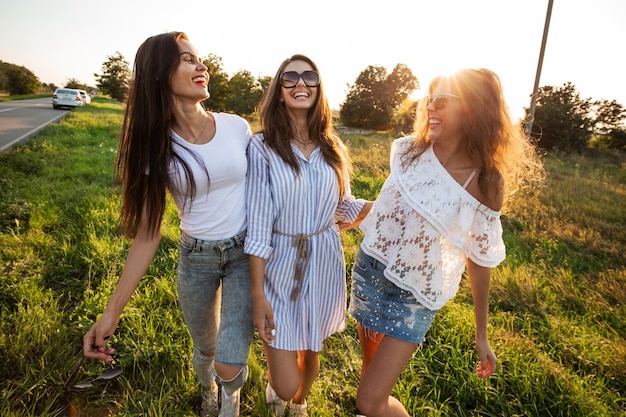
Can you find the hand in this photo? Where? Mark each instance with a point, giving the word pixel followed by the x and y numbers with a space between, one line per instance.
pixel 96 339
pixel 264 320
pixel 487 364
pixel 484 371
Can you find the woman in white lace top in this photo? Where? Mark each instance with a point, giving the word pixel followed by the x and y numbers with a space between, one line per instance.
pixel 437 215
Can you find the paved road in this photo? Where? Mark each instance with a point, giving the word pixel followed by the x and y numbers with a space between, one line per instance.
pixel 22 119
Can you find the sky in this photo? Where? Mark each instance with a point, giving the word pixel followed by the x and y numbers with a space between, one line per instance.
pixel 62 39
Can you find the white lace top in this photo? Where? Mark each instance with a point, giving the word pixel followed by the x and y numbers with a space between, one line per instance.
pixel 424 225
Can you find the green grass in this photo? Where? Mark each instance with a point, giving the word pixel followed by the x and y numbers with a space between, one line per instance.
pixel 558 322
pixel 23 97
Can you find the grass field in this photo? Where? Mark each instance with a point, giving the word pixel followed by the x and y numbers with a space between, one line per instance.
pixel 557 324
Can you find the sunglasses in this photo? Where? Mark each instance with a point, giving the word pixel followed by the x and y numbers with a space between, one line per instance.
pixel 290 79
pixel 106 376
pixel 441 101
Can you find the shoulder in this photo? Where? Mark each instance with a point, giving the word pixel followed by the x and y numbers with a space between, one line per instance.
pixel 489 191
pixel 230 119
pixel 257 139
pixel 399 145
pixel 402 142
pixel 257 144
pixel 226 117
pixel 402 150
pixel 232 125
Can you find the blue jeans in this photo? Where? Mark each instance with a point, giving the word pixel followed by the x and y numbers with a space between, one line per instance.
pixel 216 301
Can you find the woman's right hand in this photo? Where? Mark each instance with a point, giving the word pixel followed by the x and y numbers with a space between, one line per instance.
pixel 96 339
pixel 140 255
pixel 264 320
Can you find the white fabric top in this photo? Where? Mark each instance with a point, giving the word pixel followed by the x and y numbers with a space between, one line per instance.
pixel 218 210
pixel 280 201
pixel 424 225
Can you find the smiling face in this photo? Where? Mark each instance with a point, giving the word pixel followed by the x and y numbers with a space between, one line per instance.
pixel 191 78
pixel 445 113
pixel 299 97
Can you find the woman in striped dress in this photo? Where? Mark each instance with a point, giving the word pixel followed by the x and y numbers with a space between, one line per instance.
pixel 298 189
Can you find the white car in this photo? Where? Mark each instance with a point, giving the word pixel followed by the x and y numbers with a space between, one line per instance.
pixel 66 97
pixel 86 97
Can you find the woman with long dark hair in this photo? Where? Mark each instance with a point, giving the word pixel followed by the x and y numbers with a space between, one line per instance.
pixel 170 142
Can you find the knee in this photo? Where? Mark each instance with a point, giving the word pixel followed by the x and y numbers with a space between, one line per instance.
pixel 365 406
pixel 208 353
pixel 202 358
pixel 285 384
pixel 286 390
pixel 232 384
pixel 370 403
pixel 227 372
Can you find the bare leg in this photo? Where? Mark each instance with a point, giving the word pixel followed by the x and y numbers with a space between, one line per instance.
pixel 379 376
pixel 308 366
pixel 283 375
pixel 370 340
pixel 227 372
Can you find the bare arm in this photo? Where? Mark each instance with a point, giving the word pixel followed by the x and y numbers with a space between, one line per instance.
pixel 362 214
pixel 479 280
pixel 140 255
pixel 263 314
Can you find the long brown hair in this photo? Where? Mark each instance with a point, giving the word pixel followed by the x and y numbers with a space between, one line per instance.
pixel 504 156
pixel 277 128
pixel 145 150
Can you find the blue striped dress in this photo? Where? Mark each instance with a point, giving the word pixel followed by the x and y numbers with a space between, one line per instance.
pixel 280 203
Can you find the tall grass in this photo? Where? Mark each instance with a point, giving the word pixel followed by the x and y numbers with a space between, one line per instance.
pixel 558 322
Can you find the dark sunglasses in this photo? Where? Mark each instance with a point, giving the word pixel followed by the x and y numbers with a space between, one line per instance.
pixel 108 375
pixel 440 101
pixel 290 79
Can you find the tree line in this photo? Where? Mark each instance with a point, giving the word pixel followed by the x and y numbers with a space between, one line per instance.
pixel 377 100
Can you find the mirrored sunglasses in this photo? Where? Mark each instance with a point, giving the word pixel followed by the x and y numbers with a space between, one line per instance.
pixel 441 101
pixel 106 376
pixel 290 79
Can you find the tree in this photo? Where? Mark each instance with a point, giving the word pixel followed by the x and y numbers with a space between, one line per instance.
pixel 373 100
pixel 363 107
pixel 564 118
pixel 608 124
pixel 115 77
pixel 238 94
pixel 48 88
pixel 244 93
pixel 617 139
pixel 18 80
pixel 400 85
pixel 74 83
pixel 608 116
pixel 404 119
pixel 4 78
pixel 218 84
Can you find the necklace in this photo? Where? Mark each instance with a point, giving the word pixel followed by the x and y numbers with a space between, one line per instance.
pixel 302 142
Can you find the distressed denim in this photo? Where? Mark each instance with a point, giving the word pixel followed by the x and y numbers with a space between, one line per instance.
pixel 381 306
pixel 216 301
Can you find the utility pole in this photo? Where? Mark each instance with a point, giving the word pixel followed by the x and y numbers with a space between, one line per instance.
pixel 533 100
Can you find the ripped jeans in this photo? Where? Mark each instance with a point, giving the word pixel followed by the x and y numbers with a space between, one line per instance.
pixel 215 297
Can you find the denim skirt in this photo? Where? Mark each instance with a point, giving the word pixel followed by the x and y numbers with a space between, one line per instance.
pixel 379 305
